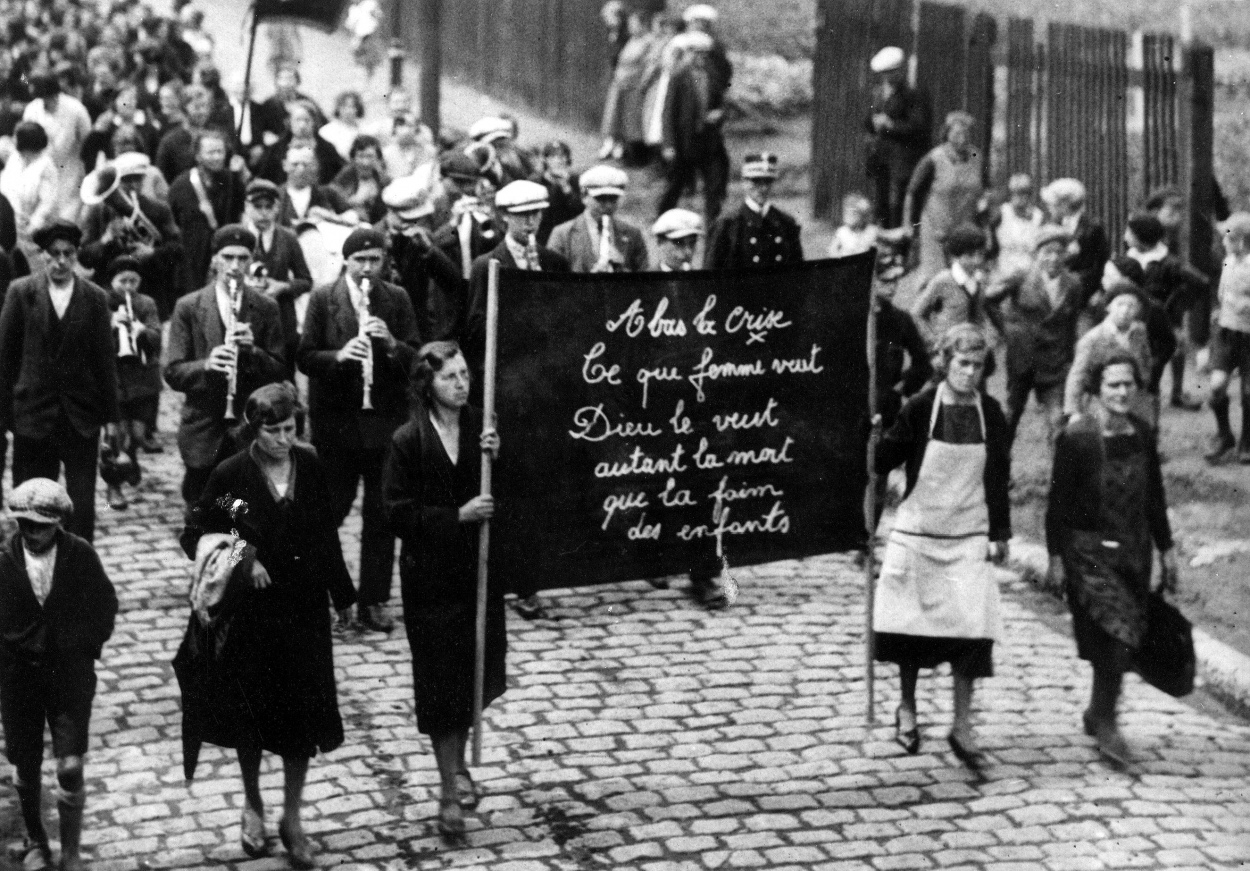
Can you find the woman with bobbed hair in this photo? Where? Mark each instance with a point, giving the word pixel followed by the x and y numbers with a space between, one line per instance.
pixel 1106 508
pixel 269 686
pixel 431 487
pixel 945 190
pixel 937 599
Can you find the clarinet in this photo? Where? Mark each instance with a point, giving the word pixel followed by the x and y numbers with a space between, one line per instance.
pixel 125 336
pixel 531 251
pixel 232 380
pixel 366 367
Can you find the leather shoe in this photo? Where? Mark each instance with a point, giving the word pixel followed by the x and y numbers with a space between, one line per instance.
pixel 968 754
pixel 299 853
pixel 909 740
pixel 1112 746
pixel 252 834
pixel 709 594
pixel 116 499
pixel 375 617
pixel 450 819
pixel 467 788
pixel 32 855
pixel 1090 724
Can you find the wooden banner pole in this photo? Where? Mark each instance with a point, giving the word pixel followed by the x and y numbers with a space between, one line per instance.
pixel 870 512
pixel 244 110
pixel 483 544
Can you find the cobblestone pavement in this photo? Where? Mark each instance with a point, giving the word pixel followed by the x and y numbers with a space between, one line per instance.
pixel 642 732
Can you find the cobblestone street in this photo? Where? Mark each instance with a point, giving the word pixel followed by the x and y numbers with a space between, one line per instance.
pixel 642 732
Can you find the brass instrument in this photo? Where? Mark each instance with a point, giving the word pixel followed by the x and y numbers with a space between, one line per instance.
pixel 139 227
pixel 104 186
pixel 232 379
pixel 366 367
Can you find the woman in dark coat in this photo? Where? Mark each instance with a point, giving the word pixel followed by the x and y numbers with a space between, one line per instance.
pixel 431 486
pixel 1106 507
pixel 256 666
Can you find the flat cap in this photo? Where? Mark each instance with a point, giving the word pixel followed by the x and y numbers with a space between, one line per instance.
pixel 120 264
pixel 694 40
pixel 677 224
pixel 262 189
pixel 364 239
pixel 409 197
pixel 964 239
pixel 40 500
pixel 521 196
pixel 490 128
pixel 604 181
pixel 760 165
pixel 1049 234
pixel 59 229
pixel 1067 190
pixel 233 236
pixel 132 163
pixel 460 166
pixel 700 12
pixel 888 60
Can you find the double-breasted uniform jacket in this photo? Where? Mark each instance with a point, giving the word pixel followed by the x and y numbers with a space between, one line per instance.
pixel 50 365
pixel 336 389
pixel 572 241
pixel 475 328
pixel 747 238
pixel 194 330
pixel 1041 335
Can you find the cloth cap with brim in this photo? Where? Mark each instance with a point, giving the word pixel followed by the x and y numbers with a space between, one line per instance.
pixel 760 166
pixel 40 500
pixel 604 181
pixel 260 189
pixel 700 12
pixel 45 236
pixel 1236 225
pixel 460 166
pixel 964 239
pixel 408 198
pixel 1067 190
pixel 233 236
pixel 1050 234
pixel 521 196
pixel 694 40
pixel 888 60
pixel 1122 287
pixel 677 224
pixel 364 239
pixel 490 129
pixel 118 265
pixel 132 163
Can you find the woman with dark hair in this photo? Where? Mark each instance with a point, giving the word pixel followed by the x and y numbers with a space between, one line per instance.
pixel 28 181
pixel 364 178
pixel 1106 507
pixel 256 667
pixel 343 129
pixel 431 486
pixel 937 600
pixel 564 198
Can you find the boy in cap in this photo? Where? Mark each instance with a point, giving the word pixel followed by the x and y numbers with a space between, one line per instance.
pixel 955 295
pixel 287 276
pixel 58 372
pixel 356 328
pixel 596 240
pixel 1230 340
pixel 900 123
pixel 57 608
pixel 203 355
pixel 758 233
pixel 677 233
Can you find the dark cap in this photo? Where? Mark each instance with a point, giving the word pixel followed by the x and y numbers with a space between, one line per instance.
pixel 118 265
pixel 45 236
pixel 1146 227
pixel 964 239
pixel 363 240
pixel 232 235
pixel 460 167
pixel 262 189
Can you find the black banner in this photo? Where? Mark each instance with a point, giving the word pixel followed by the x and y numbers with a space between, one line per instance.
pixel 326 14
pixel 654 421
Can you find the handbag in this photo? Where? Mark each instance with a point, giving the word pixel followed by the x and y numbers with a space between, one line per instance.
pixel 1165 658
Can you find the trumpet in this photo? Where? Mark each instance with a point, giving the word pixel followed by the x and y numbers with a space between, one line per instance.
pixel 366 367
pixel 125 334
pixel 232 380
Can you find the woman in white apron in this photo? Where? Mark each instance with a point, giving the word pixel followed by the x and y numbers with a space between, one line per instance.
pixel 937 600
pixel 1015 227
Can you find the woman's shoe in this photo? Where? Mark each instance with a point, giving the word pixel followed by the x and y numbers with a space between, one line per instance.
pixel 299 853
pixel 450 818
pixel 116 499
pixel 1089 723
pixel 966 752
pixel 467 789
pixel 909 740
pixel 1113 747
pixel 252 836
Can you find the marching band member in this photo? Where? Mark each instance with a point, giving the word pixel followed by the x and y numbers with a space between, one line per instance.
pixel 58 373
pixel 203 199
pixel 758 233
pixel 287 274
pixel 358 345
pixel 473 227
pixel 225 340
pixel 677 233
pixel 597 240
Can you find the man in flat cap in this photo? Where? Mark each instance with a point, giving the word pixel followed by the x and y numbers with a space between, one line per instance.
pixel 500 134
pixel 57 608
pixel 225 337
pixel 360 340
pixel 703 18
pixel 434 284
pixel 203 198
pixel 677 233
pixel 899 125
pixel 286 276
pixel 758 233
pixel 597 240
pixel 58 372
pixel 469 227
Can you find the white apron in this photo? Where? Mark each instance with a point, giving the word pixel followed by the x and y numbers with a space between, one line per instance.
pixel 936 580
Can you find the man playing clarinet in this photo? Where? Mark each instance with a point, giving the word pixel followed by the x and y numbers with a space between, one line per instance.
pixel 359 341
pixel 225 340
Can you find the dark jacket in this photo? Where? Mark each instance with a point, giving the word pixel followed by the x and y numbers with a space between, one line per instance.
pixel 1093 250
pixel 139 376
pixel 329 161
pixel 76 618
pixel 475 328
pixel 572 241
pixel 326 196
pixel 906 441
pixel 285 261
pixel 746 238
pixel 47 367
pixel 438 292
pixel 686 104
pixel 903 366
pixel 1041 337
pixel 336 389
pixel 97 254
pixel 898 150
pixel 226 198
pixel 562 205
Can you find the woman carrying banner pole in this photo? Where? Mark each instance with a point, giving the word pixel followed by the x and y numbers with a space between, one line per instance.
pixel 936 599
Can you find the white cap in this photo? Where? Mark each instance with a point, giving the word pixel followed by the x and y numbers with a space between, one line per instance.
pixel 521 196
pixel 760 165
pixel 700 12
pixel 490 128
pixel 410 197
pixel 604 181
pixel 677 224
pixel 694 40
pixel 1069 190
pixel 888 59
pixel 132 163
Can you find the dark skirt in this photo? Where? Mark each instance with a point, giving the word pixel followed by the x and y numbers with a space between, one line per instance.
pixel 968 657
pixel 1095 645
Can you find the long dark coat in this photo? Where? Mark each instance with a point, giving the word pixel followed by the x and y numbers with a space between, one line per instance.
pixel 438 570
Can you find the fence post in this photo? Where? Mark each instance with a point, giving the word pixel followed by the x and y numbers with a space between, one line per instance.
pixel 1198 173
